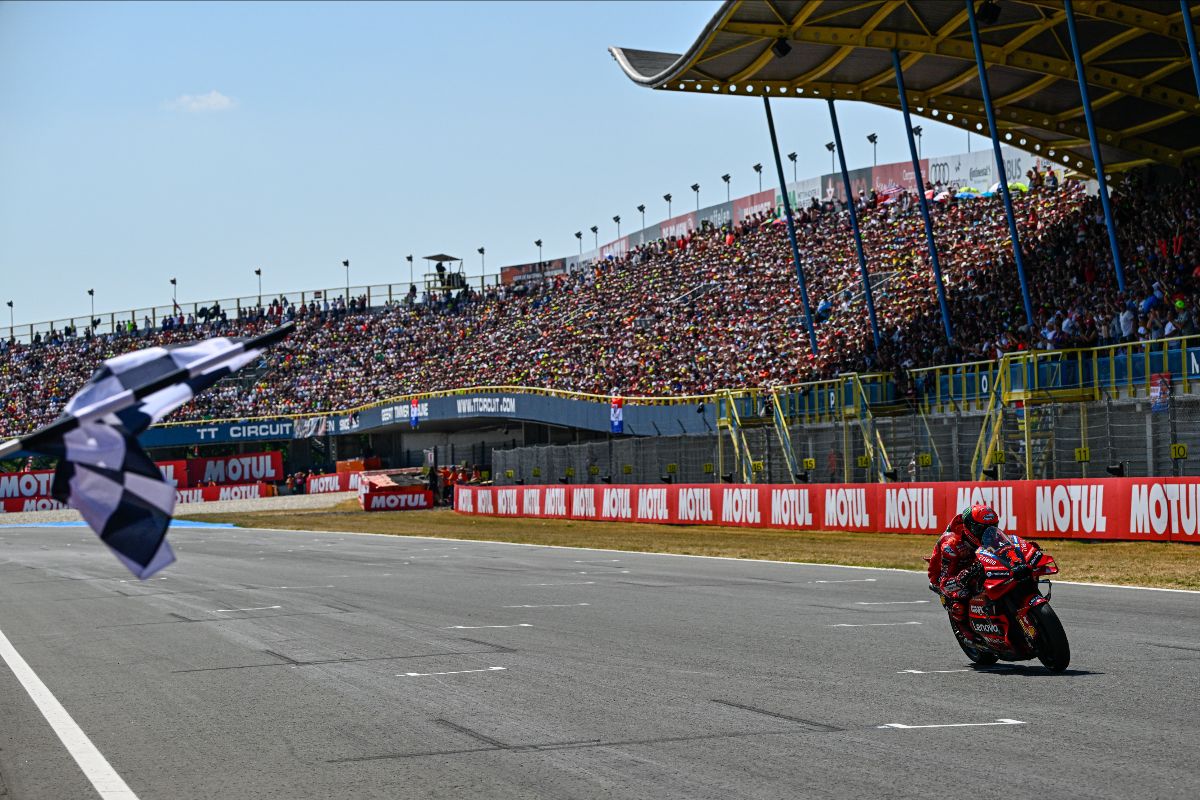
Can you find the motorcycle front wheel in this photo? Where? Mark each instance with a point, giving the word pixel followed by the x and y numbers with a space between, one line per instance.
pixel 1053 650
pixel 977 656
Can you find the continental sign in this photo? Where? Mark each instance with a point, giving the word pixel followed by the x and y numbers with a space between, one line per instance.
pixel 1159 509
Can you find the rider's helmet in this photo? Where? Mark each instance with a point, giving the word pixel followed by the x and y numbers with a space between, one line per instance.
pixel 976 519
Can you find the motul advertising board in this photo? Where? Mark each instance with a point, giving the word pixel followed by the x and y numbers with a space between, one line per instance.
pixel 201 494
pixel 338 482
pixel 38 482
pixel 378 493
pixel 397 498
pixel 245 468
pixel 1152 509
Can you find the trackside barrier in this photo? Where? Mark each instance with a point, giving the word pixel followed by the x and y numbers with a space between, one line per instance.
pixel 199 494
pixel 1158 509
pixel 337 482
pixel 377 493
pixel 37 483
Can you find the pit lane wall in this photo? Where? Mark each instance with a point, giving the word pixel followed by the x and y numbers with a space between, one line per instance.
pixel 1160 509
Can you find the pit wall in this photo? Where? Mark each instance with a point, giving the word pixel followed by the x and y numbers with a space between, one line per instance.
pixel 1160 509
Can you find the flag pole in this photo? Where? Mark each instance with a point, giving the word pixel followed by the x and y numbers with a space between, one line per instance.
pixel 130 397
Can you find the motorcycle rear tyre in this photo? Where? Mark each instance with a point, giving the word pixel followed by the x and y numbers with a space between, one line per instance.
pixel 1053 649
pixel 977 656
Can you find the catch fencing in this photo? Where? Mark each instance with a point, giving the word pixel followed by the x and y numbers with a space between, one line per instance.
pixel 1044 442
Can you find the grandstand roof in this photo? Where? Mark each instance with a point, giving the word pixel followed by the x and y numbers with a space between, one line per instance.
pixel 1143 94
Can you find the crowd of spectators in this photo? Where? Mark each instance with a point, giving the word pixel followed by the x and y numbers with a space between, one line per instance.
pixel 717 308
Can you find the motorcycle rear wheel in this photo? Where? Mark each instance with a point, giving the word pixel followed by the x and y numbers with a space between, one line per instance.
pixel 977 656
pixel 1053 649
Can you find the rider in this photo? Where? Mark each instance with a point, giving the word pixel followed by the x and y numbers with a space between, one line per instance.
pixel 953 570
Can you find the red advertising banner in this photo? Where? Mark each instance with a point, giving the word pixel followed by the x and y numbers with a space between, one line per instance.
pixel 38 482
pixel 1151 509
pixel 175 473
pixel 203 494
pixel 244 468
pixel 887 176
pixel 759 202
pixel 378 493
pixel 338 482
pixel 521 273
pixel 679 226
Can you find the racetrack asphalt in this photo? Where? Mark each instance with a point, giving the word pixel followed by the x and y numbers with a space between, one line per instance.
pixel 285 664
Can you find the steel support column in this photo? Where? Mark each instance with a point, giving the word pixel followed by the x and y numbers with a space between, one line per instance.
pixel 1004 193
pixel 1081 75
pixel 1188 26
pixel 921 199
pixel 862 258
pixel 791 227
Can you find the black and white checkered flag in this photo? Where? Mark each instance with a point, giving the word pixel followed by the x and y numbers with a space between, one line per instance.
pixel 103 472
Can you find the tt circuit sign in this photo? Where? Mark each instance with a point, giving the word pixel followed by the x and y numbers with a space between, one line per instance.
pixel 1165 509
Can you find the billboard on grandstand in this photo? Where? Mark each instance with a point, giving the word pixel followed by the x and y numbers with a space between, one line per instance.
pixel 978 170
pixel 615 249
pixel 861 182
pixel 717 216
pixel 805 191
pixel 523 273
pixel 679 226
pixel 900 174
pixel 757 203
pixel 649 234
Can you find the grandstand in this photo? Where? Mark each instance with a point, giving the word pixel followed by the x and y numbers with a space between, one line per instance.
pixel 700 310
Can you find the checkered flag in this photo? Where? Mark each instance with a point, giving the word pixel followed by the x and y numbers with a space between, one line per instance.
pixel 103 472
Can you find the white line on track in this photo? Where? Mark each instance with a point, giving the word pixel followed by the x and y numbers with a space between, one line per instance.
pixel 455 672
pixel 680 555
pixel 894 603
pixel 95 766
pixel 259 608
pixel 478 627
pixel 929 672
pixel 872 624
pixel 902 726
pixel 850 580
pixel 568 583
pixel 551 605
pixel 320 586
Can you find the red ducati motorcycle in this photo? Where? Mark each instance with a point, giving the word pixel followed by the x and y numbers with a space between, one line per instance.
pixel 1011 619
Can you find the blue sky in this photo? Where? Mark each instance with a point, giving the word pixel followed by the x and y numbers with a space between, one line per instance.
pixel 144 141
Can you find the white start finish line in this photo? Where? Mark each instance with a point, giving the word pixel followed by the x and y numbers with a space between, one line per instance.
pixel 872 624
pixel 478 627
pixel 95 766
pixel 902 726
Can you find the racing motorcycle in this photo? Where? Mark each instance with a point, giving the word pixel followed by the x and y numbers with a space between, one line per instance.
pixel 1010 617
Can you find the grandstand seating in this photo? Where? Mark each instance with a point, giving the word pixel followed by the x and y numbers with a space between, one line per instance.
pixel 716 309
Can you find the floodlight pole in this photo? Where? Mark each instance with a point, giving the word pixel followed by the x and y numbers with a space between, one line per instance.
pixel 921 200
pixel 1004 193
pixel 862 256
pixel 1109 222
pixel 791 226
